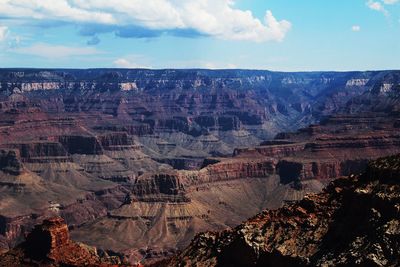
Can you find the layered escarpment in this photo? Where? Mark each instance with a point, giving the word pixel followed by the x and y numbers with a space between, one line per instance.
pixel 341 145
pixel 355 221
pixel 213 111
pixel 179 116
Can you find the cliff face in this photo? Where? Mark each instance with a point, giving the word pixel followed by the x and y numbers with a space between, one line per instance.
pixel 355 221
pixel 159 187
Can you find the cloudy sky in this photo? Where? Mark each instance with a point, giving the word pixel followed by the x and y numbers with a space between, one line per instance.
pixel 285 35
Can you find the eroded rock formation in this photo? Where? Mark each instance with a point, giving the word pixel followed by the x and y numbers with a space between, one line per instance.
pixel 49 244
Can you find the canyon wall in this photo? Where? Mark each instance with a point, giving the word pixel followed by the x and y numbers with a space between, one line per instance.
pixel 156 156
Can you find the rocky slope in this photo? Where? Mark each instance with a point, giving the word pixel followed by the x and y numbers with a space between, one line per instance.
pixel 353 222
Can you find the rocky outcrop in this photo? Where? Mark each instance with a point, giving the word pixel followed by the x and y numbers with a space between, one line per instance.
pixel 84 209
pixel 159 187
pixel 49 244
pixel 355 221
pixel 48 239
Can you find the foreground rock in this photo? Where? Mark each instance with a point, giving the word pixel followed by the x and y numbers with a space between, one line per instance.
pixel 49 245
pixel 355 221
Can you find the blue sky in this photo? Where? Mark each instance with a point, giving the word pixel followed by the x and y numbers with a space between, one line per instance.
pixel 287 35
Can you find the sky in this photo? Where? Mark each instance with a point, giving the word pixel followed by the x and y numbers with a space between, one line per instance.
pixel 281 35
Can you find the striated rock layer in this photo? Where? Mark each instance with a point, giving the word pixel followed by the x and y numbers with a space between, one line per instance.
pixel 173 112
pixel 354 222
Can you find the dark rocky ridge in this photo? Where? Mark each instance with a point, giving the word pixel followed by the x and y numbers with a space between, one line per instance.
pixel 354 222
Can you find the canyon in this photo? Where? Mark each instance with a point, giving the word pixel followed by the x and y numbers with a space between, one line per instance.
pixel 137 162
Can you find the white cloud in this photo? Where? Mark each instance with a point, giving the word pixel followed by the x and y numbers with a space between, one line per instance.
pixel 218 18
pixel 51 9
pixel 55 51
pixel 356 28
pixel 128 64
pixel 3 33
pixel 377 6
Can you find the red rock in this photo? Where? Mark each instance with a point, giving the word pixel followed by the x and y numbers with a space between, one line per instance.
pixel 49 244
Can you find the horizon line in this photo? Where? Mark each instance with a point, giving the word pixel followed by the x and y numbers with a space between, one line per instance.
pixel 195 69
